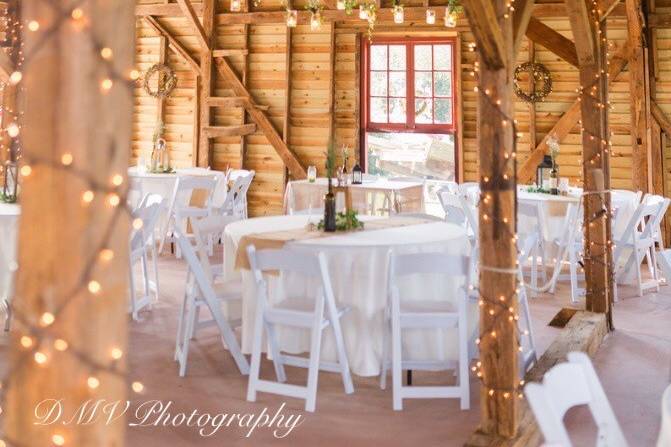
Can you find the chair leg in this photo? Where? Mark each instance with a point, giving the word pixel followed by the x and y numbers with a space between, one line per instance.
pixel 397 370
pixel 385 355
pixel 637 266
pixel 313 369
pixel 133 304
pixel 573 269
pixel 275 351
pixel 464 383
pixel 342 355
pixel 256 354
pixel 181 325
pixel 186 338
pixel 154 257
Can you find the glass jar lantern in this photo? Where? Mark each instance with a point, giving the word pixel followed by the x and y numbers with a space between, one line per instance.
pixel 357 175
pixel 11 182
pixel 543 171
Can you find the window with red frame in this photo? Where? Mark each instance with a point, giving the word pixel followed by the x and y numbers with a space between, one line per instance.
pixel 410 86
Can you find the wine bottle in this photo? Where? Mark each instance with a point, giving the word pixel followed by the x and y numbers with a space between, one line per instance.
pixel 329 209
pixel 554 182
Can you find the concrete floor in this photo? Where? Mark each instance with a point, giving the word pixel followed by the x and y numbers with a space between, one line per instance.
pixel 634 364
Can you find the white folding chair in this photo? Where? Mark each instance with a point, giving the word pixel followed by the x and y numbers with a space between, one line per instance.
pixel 530 213
pixel 151 236
pixel 417 314
pixel 568 248
pixel 314 314
pixel 181 209
pixel 528 355
pixel 139 243
pixel 200 291
pixel 656 229
pixel 226 294
pixel 638 241
pixel 568 385
pixel 242 180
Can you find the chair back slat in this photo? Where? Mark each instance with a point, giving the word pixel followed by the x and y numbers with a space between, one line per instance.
pixel 428 263
pixel 283 260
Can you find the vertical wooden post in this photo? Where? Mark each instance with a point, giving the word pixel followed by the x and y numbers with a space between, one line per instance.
pixel 9 93
pixel 497 217
pixel 245 74
pixel 591 49
pixel 69 110
pixel 532 105
pixel 287 95
pixel 332 61
pixel 207 84
pixel 639 98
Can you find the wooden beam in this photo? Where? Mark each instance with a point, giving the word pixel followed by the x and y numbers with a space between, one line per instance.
pixel 232 101
pixel 191 16
pixel 286 108
pixel 162 59
pixel 332 64
pixel 60 240
pixel 229 131
pixel 231 52
pixel 661 117
pixel 497 223
pixel 638 99
pixel 521 16
pixel 532 105
pixel 584 332
pixel 245 80
pixel 596 157
pixel 203 148
pixel 290 159
pixel 583 33
pixel 609 9
pixel 487 32
pixel 175 44
pixel 543 35
pixel 568 120
pixel 10 114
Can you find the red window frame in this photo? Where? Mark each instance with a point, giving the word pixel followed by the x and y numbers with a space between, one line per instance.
pixel 410 125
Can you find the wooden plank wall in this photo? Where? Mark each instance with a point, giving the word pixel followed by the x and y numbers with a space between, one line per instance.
pixel 310 90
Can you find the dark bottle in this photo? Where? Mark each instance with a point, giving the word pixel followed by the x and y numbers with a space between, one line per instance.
pixel 554 182
pixel 329 209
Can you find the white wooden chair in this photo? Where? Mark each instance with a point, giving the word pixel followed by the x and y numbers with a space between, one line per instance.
pixel 530 212
pixel 246 177
pixel 657 233
pixel 568 385
pixel 181 209
pixel 139 243
pixel 567 249
pixel 314 314
pixel 638 241
pixel 202 292
pixel 528 356
pixel 417 314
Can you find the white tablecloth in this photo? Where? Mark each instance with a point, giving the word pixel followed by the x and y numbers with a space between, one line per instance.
pixel 301 195
pixel 9 227
pixel 358 268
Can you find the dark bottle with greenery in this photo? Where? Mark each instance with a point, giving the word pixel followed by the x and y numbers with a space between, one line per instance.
pixel 554 181
pixel 329 197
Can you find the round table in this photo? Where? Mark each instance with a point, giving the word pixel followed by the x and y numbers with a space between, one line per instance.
pixel 9 226
pixel 358 268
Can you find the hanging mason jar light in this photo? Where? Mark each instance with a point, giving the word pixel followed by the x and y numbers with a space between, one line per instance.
pixel 11 182
pixel 316 21
pixel 543 172
pixel 236 5
pixel 398 12
pixel 292 18
pixel 340 4
pixel 450 18
pixel 363 12
pixel 430 16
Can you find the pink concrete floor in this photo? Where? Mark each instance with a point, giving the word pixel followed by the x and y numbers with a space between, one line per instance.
pixel 634 364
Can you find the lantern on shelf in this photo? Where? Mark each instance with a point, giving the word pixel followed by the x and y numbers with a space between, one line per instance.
pixel 363 13
pixel 292 18
pixel 236 5
pixel 340 4
pixel 450 18
pixel 316 21
pixel 398 13
pixel 10 185
pixel 430 16
pixel 543 172
pixel 357 175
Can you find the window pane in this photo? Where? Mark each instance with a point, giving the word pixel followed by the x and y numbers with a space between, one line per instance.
pixel 378 83
pixel 422 57
pixel 397 57
pixel 443 83
pixel 443 111
pixel 378 110
pixel 397 83
pixel 423 84
pixel 442 57
pixel 423 111
pixel 397 110
pixel 378 57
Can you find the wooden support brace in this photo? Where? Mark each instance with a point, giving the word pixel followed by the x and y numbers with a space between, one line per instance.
pixel 229 131
pixel 488 34
pixel 190 14
pixel 175 44
pixel 543 35
pixel 521 17
pixel 290 159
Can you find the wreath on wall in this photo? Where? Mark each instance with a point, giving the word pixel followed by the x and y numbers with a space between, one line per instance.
pixel 540 75
pixel 166 80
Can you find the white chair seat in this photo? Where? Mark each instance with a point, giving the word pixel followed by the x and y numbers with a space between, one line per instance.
pixel 426 306
pixel 229 290
pixel 298 311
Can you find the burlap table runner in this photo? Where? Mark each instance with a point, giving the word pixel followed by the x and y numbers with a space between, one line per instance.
pixel 274 240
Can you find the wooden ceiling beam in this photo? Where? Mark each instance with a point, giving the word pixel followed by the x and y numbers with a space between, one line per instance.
pixel 190 14
pixel 609 9
pixel 521 16
pixel 488 34
pixel 661 118
pixel 288 157
pixel 229 131
pixel 543 35
pixel 175 44
pixel 568 120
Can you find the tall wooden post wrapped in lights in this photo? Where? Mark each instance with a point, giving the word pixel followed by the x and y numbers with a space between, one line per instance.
pixel 491 22
pixel 590 41
pixel 70 311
